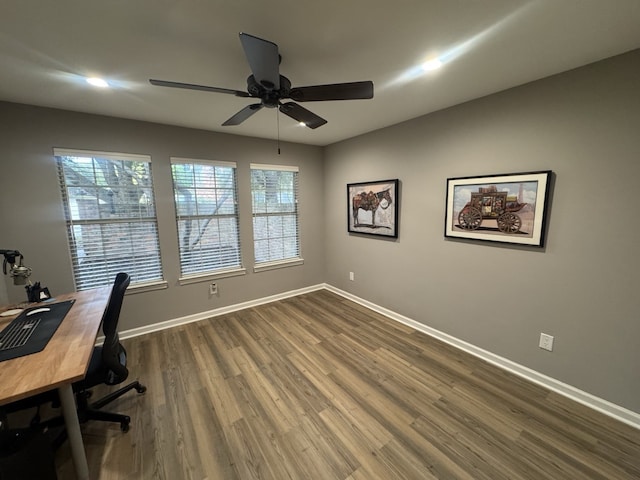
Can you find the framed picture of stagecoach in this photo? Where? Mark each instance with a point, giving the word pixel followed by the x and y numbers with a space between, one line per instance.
pixel 372 208
pixel 509 208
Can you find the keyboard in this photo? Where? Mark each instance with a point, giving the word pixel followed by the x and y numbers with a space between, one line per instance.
pixel 18 333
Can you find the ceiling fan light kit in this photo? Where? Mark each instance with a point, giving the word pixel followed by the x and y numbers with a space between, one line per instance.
pixel 266 84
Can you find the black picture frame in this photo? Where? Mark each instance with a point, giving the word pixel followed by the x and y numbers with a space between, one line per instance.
pixel 372 208
pixel 506 208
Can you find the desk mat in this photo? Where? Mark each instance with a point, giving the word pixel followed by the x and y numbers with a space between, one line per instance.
pixel 49 322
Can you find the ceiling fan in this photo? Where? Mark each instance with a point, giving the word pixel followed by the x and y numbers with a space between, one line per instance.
pixel 270 87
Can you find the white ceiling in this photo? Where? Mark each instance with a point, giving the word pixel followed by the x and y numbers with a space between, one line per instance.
pixel 46 47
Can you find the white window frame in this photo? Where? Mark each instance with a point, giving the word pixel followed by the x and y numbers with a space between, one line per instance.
pixel 82 274
pixel 207 273
pixel 285 261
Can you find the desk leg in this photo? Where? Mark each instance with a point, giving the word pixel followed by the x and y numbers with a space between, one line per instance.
pixel 70 413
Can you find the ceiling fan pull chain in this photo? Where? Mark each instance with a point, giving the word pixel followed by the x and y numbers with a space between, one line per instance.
pixel 278 126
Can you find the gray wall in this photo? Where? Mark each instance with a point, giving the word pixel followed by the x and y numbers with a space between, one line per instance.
pixel 32 219
pixel 583 288
pixel 4 298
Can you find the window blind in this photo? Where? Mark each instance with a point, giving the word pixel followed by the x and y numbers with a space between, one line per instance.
pixel 274 191
pixel 207 215
pixel 110 213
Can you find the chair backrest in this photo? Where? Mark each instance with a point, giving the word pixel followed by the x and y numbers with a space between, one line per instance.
pixel 112 312
pixel 113 354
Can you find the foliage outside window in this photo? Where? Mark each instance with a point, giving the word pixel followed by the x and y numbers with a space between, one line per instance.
pixel 274 191
pixel 207 216
pixel 111 219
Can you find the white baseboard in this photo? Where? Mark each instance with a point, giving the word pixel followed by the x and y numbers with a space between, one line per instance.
pixel 603 406
pixel 135 332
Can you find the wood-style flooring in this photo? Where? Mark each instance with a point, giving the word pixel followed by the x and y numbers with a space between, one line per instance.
pixel 318 387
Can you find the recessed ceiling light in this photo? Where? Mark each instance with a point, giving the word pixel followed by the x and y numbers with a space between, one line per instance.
pixel 302 124
pixel 97 82
pixel 433 64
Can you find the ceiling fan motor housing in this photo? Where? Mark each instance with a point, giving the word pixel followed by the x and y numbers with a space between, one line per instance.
pixel 270 97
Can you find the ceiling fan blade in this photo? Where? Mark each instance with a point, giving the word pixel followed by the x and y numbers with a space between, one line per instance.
pixel 302 115
pixel 189 86
pixel 336 91
pixel 263 59
pixel 243 114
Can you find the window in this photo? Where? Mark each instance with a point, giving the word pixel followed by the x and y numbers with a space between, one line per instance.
pixel 207 216
pixel 111 219
pixel 274 191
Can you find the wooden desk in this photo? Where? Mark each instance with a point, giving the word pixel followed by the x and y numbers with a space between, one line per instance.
pixel 63 361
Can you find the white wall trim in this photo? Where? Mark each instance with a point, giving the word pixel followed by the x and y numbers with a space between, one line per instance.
pixel 603 406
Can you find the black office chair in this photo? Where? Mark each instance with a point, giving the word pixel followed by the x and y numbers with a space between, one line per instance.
pixel 108 365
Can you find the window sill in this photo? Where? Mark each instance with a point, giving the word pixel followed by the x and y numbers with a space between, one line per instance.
pixel 147 287
pixel 204 277
pixel 278 264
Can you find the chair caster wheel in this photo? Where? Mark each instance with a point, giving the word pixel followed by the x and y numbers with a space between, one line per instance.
pixel 141 389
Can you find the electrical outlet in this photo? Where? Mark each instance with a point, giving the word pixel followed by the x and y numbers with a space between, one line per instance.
pixel 213 289
pixel 546 342
pixel 352 277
